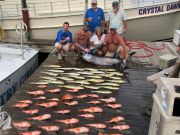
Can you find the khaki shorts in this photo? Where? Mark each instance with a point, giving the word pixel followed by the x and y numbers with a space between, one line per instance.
pixel 111 54
pixel 65 46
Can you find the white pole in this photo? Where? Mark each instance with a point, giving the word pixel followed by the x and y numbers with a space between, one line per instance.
pixel 21 27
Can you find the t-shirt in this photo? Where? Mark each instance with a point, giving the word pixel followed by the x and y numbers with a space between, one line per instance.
pixel 97 18
pixel 61 35
pixel 117 19
pixel 94 39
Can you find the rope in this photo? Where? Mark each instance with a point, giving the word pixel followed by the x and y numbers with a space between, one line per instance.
pixel 5 120
pixel 141 45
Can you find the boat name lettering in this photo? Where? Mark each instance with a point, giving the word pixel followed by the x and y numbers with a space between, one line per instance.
pixel 159 9
pixel 26 75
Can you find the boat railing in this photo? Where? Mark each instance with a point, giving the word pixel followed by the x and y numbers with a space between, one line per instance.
pixel 68 7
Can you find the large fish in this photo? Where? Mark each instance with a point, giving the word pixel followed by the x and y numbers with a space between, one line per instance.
pixel 104 61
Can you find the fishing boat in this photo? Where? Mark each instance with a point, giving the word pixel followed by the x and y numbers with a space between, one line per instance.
pixel 156 18
pixel 16 65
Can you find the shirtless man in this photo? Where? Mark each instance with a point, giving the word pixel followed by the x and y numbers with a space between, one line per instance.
pixel 82 38
pixel 115 44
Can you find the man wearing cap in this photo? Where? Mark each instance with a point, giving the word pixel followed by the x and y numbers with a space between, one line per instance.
pixel 95 17
pixel 81 39
pixel 115 44
pixel 117 17
pixel 63 40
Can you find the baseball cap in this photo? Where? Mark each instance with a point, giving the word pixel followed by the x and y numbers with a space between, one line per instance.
pixel 93 1
pixel 115 2
pixel 113 27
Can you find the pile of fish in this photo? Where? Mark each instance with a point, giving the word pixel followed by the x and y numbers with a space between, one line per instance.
pixel 71 101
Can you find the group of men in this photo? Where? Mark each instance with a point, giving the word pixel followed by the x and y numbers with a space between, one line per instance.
pixel 92 38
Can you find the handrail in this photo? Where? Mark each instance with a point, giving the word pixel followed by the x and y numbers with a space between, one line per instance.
pixel 21 33
pixel 67 6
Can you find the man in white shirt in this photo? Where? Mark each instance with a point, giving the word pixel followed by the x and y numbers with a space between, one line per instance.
pixel 117 17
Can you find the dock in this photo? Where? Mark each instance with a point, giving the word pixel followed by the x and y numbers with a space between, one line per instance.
pixel 134 94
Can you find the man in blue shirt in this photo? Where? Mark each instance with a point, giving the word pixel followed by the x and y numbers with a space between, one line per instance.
pixel 63 40
pixel 95 17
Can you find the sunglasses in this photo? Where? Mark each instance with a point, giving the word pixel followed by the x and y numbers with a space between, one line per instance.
pixel 111 29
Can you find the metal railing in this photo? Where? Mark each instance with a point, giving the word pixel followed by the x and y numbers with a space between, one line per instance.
pixel 67 7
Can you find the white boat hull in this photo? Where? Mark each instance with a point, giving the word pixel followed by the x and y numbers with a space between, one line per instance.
pixel 149 27
pixel 14 79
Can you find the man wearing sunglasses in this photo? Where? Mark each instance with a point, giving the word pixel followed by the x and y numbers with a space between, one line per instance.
pixel 95 17
pixel 115 44
pixel 118 18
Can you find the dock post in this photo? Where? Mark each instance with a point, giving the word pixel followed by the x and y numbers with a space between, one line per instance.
pixel 26 20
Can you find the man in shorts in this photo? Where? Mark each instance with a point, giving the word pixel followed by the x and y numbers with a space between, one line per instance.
pixel 81 39
pixel 63 40
pixel 115 44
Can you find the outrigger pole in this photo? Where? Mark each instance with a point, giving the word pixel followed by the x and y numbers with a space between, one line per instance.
pixel 26 20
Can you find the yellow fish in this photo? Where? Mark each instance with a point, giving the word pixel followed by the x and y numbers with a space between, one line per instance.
pixel 102 92
pixel 116 78
pixel 73 87
pixel 56 71
pixel 91 87
pixel 111 88
pixel 109 84
pixel 66 78
pixel 57 82
pixel 73 74
pixel 85 73
pixel 52 66
pixel 94 76
pixel 95 80
pixel 78 77
pixel 80 82
pixel 49 73
pixel 116 81
pixel 48 78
